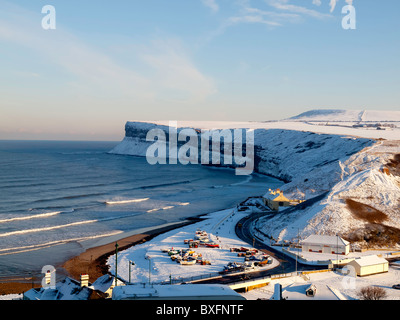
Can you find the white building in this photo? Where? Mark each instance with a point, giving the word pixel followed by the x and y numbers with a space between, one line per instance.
pixel 326 244
pixel 368 265
pixel 176 292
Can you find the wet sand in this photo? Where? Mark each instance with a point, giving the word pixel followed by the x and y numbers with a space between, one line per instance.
pixel 92 261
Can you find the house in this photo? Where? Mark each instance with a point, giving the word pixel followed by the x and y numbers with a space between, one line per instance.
pixel 71 289
pixel 275 199
pixel 309 291
pixel 104 284
pixel 368 265
pixel 326 244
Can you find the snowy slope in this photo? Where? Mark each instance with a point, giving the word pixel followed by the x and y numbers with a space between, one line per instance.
pixel 285 154
pixel 312 163
pixel 362 180
pixel 348 115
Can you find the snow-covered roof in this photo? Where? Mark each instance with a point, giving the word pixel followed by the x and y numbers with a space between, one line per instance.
pixel 184 291
pixel 275 196
pixel 67 289
pixel 325 240
pixel 369 260
pixel 103 283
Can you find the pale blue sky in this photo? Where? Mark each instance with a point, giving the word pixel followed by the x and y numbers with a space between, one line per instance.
pixel 108 62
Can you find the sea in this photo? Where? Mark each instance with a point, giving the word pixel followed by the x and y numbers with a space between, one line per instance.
pixel 58 198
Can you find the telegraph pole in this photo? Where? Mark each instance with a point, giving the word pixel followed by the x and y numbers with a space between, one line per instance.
pixel 149 269
pixel 116 263
pixel 131 263
pixel 337 251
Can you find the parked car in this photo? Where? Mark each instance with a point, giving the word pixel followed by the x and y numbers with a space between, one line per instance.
pixel 396 286
pixel 212 245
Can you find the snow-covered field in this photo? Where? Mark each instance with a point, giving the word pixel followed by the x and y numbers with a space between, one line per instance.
pixel 338 122
pixel 330 286
pixel 160 268
pixel 317 152
pixel 361 179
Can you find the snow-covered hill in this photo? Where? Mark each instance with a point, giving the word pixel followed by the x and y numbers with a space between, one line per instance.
pixel 284 154
pixel 372 218
pixel 317 160
pixel 337 115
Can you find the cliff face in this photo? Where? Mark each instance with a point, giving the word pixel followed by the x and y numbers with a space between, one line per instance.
pixel 292 156
pixel 345 172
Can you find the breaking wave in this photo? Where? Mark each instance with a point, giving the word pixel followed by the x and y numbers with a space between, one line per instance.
pixel 12 233
pixel 126 201
pixel 22 249
pixel 36 216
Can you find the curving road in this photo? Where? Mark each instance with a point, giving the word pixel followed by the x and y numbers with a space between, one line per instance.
pixel 287 264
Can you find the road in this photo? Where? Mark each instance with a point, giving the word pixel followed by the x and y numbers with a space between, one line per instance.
pixel 287 264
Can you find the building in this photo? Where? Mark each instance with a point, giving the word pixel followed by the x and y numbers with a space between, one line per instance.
pixel 176 292
pixel 326 244
pixel 105 284
pixel 275 199
pixel 71 289
pixel 307 291
pixel 365 266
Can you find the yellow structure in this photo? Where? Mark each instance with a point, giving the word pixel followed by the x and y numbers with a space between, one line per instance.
pixel 367 265
pixel 275 199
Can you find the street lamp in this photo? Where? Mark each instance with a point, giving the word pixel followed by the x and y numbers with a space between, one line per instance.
pixel 116 263
pixel 131 263
pixel 337 251
pixel 148 257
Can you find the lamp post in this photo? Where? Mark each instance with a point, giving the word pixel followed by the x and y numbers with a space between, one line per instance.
pixel 337 251
pixel 148 257
pixel 131 263
pixel 116 263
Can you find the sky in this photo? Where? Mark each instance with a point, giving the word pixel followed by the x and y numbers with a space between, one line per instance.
pixel 108 62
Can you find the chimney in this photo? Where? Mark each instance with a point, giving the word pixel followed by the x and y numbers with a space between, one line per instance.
pixel 84 280
pixel 48 277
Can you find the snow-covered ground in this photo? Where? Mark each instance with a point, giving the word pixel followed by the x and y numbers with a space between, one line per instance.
pixel 330 285
pixel 361 179
pixel 328 121
pixel 220 228
pixel 11 297
pixel 345 159
pixel 337 163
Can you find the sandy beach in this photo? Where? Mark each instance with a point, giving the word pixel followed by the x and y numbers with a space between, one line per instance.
pixel 92 261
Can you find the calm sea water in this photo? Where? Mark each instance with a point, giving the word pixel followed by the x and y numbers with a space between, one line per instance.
pixel 55 195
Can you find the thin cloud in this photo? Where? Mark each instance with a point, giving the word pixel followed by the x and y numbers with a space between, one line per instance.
pixel 275 13
pixel 285 6
pixel 332 5
pixel 211 4
pixel 95 71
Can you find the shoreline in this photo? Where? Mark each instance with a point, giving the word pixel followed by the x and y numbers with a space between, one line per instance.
pixel 93 260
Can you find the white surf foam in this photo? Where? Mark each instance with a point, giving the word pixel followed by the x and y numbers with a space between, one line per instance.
pixel 126 201
pixel 22 249
pixel 11 233
pixel 36 216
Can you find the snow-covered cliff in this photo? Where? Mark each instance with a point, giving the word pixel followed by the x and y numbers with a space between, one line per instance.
pixel 285 154
pixel 338 167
